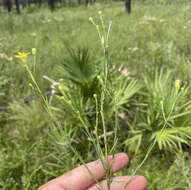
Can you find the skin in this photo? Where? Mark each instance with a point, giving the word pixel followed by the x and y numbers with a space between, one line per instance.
pixel 80 179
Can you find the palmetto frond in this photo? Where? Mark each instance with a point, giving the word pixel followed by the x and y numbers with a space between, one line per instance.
pixel 123 89
pixel 77 66
pixel 173 137
pixel 135 141
pixel 80 69
pixel 167 111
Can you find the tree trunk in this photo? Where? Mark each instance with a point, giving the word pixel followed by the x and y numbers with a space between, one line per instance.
pixel 29 3
pixel 39 3
pixel 23 3
pixel 51 4
pixel 128 6
pixel 8 5
pixel 86 2
pixel 17 6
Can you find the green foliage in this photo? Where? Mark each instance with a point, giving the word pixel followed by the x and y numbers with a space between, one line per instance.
pixel 147 96
pixel 166 112
pixel 80 70
pixel 80 92
pixel 178 176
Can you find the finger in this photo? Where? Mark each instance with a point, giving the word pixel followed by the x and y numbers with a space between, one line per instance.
pixel 79 178
pixel 123 183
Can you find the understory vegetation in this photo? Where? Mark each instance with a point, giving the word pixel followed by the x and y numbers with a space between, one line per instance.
pixel 78 93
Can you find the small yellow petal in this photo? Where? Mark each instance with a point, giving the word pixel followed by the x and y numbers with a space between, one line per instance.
pixel 22 56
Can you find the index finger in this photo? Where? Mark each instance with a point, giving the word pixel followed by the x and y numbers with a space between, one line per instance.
pixel 80 178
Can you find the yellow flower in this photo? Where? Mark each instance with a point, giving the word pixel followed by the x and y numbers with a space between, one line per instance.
pixel 22 56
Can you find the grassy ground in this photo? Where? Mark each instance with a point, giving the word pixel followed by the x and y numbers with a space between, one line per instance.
pixel 153 46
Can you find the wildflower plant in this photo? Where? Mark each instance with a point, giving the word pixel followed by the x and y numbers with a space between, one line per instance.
pixel 97 99
pixel 88 95
pixel 34 148
pixel 108 99
pixel 93 96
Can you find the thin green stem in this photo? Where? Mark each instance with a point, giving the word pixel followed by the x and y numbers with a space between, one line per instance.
pixel 47 107
pixel 154 142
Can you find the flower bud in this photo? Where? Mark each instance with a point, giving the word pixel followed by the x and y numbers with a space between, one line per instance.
pixel 34 51
pixel 90 19
pixel 177 85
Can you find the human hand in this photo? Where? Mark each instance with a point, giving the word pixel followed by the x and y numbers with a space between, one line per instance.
pixel 80 179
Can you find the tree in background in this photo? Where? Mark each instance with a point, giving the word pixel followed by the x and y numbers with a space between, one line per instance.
pixel 17 6
pixel 128 6
pixel 23 3
pixel 8 5
pixel 91 2
pixel 39 3
pixel 28 2
pixel 51 4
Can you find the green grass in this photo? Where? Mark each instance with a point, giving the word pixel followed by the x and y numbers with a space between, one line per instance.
pixel 153 45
